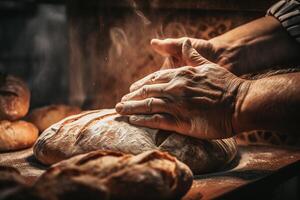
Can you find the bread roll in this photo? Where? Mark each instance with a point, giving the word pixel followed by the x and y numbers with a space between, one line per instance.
pixel 106 130
pixel 115 176
pixel 48 115
pixel 17 135
pixel 14 98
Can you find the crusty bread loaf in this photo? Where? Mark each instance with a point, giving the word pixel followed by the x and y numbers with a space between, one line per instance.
pixel 17 135
pixel 14 98
pixel 48 115
pixel 106 130
pixel 116 176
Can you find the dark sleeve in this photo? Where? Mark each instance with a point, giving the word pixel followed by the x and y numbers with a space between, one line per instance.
pixel 288 13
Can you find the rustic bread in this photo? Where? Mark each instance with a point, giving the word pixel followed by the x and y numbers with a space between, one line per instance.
pixel 14 98
pixel 106 130
pixel 46 116
pixel 113 176
pixel 16 135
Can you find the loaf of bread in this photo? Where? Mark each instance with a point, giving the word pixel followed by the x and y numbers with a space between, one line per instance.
pixel 17 135
pixel 115 176
pixel 48 115
pixel 14 98
pixel 106 130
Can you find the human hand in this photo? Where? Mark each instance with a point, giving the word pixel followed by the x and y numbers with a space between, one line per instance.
pixel 195 101
pixel 171 48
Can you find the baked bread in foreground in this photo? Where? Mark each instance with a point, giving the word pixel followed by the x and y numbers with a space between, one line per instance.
pixel 103 175
pixel 116 176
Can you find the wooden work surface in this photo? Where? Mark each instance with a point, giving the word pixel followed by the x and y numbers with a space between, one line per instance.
pixel 256 168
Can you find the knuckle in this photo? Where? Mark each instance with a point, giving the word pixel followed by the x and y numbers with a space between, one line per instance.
pixel 149 105
pixel 144 91
pixel 198 77
pixel 156 119
pixel 154 77
pixel 185 72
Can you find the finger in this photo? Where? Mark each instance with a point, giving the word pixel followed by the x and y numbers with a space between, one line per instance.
pixel 191 56
pixel 167 47
pixel 157 121
pixel 147 91
pixel 146 106
pixel 162 76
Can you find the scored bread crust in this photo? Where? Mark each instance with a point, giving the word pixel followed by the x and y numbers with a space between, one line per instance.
pixel 112 175
pixel 14 98
pixel 16 135
pixel 46 116
pixel 107 130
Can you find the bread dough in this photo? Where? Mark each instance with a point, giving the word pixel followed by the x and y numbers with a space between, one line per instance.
pixel 107 130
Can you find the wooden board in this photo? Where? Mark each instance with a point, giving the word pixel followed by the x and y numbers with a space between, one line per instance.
pixel 255 169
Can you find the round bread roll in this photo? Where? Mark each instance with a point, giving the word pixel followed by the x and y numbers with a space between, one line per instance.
pixel 116 176
pixel 48 115
pixel 17 135
pixel 14 98
pixel 107 130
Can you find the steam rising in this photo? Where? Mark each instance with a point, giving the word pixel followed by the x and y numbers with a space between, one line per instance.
pixel 139 13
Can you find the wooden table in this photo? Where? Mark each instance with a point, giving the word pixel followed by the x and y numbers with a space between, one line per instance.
pixel 257 171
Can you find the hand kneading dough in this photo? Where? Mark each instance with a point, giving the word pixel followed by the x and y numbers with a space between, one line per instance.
pixel 14 98
pixel 115 176
pixel 17 135
pixel 106 130
pixel 48 115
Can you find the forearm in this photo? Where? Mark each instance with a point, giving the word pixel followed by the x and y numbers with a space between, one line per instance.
pixel 255 46
pixel 271 103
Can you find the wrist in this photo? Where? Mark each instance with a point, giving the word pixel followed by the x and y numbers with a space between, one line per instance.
pixel 240 120
pixel 252 47
pixel 229 53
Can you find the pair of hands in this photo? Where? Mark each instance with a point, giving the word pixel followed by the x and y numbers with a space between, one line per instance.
pixel 197 100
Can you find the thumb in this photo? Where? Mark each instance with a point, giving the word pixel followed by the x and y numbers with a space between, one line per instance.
pixel 191 56
pixel 167 47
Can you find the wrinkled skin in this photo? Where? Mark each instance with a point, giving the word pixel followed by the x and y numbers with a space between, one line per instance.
pixel 195 101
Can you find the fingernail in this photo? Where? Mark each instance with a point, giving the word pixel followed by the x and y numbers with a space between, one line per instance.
pixel 119 107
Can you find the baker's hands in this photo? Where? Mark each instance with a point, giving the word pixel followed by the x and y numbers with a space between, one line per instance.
pixel 195 101
pixel 172 48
